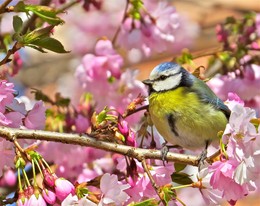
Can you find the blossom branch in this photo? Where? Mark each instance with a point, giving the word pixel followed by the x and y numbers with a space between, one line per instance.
pixel 67 6
pixel 4 5
pixel 11 51
pixel 119 27
pixel 156 188
pixel 30 23
pixel 86 140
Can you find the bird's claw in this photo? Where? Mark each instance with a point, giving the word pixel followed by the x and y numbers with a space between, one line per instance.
pixel 164 152
pixel 165 149
pixel 202 158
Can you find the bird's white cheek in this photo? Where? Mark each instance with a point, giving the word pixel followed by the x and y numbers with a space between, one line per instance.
pixel 167 84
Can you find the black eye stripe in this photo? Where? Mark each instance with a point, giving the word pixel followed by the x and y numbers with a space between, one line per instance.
pixel 163 77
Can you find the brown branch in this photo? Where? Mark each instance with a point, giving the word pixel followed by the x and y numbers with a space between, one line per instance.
pixel 67 6
pixel 145 107
pixel 156 188
pixel 4 5
pixel 11 51
pixel 119 27
pixel 86 140
pixel 30 23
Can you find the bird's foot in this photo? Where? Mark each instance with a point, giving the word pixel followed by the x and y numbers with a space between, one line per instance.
pixel 165 149
pixel 202 159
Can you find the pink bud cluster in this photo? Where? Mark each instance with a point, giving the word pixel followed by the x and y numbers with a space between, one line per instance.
pixel 55 190
pixel 127 132
pixel 156 31
pixel 102 75
pixel 8 179
pixel 246 88
pixel 13 113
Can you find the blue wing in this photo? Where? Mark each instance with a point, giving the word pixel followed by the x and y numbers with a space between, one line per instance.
pixel 208 96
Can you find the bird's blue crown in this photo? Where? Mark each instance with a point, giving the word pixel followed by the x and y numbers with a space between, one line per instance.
pixel 166 66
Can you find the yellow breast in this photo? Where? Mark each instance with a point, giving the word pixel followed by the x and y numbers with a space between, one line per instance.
pixel 194 122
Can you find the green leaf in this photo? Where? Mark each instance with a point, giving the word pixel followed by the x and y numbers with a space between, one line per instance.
pixel 17 24
pixel 230 20
pixel 61 101
pixel 37 34
pixel 168 193
pixel 20 163
pixel 50 44
pixel 179 167
pixel 46 13
pixel 185 58
pixel 181 178
pixel 36 48
pixel 148 202
pixel 39 95
pixel 34 155
pixel 18 37
pixel 102 115
pixel 224 56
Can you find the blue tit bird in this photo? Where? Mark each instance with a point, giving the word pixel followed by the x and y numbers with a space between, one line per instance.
pixel 184 110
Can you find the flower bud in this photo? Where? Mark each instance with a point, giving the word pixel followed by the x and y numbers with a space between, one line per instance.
pixel 130 140
pixel 28 191
pixel 49 179
pixel 36 200
pixel 9 178
pixel 49 196
pixel 63 188
pixel 22 199
pixel 123 126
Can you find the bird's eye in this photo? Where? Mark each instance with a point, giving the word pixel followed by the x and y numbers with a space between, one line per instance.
pixel 163 77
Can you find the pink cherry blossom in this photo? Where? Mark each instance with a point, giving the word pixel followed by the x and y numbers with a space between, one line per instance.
pixel 162 30
pixel 100 67
pixel 123 127
pixel 49 178
pixel 22 199
pixel 257 22
pixel 4 121
pixel 6 154
pixel 6 94
pixel 70 200
pixel 35 118
pixel 243 142
pixel 239 122
pixel 49 196
pixel 103 70
pixel 9 178
pixel 93 27
pixel 81 123
pixel 246 87
pixel 97 168
pixel 113 192
pixel 74 201
pixel 36 200
pixel 211 196
pixel 222 179
pixel 63 188
pixel 16 119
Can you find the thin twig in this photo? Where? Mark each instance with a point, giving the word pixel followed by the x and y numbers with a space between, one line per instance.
pixel 31 21
pixel 67 6
pixel 203 53
pixel 156 188
pixel 4 5
pixel 11 51
pixel 145 107
pixel 119 27
pixel 86 140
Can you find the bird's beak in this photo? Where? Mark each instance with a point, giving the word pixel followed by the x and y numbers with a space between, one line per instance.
pixel 147 82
